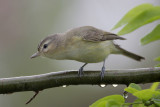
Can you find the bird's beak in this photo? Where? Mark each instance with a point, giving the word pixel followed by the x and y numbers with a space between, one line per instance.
pixel 35 55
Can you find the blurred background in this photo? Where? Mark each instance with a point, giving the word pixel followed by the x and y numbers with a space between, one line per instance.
pixel 23 23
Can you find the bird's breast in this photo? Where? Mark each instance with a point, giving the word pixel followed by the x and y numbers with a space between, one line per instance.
pixel 84 51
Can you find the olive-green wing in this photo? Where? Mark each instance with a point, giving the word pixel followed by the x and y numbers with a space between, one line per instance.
pixel 96 35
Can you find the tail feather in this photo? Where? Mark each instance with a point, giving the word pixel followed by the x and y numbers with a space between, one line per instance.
pixel 129 54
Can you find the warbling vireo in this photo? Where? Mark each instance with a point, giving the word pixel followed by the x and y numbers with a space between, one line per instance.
pixel 84 44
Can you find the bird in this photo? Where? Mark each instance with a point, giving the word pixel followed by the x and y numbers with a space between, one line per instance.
pixel 85 44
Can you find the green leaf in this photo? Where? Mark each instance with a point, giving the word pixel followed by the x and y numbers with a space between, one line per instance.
pixel 132 88
pixel 109 100
pixel 112 103
pixel 156 101
pixel 101 104
pixel 127 104
pixel 158 65
pixel 158 90
pixel 135 86
pixel 157 59
pixel 146 94
pixel 138 103
pixel 132 14
pixel 145 17
pixel 154 86
pixel 153 36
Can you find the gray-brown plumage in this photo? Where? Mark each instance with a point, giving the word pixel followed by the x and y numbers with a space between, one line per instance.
pixel 90 33
pixel 84 44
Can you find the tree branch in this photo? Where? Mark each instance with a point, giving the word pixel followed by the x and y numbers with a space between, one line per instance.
pixel 55 79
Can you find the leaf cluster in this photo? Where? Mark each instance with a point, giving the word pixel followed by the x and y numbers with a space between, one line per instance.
pixel 144 98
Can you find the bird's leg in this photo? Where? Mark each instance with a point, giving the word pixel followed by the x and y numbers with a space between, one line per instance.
pixel 80 72
pixel 103 70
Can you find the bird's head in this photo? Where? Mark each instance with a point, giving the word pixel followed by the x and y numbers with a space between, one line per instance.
pixel 46 47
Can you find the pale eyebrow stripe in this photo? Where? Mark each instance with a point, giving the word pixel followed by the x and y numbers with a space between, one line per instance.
pixel 43 41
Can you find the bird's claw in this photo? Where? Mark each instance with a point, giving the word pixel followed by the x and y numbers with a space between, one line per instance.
pixel 102 72
pixel 80 72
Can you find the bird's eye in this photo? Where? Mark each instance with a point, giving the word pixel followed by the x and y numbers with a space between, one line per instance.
pixel 45 46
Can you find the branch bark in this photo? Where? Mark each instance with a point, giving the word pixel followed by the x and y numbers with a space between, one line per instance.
pixel 55 79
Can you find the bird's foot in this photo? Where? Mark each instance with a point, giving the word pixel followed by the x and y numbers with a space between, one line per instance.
pixel 80 72
pixel 102 72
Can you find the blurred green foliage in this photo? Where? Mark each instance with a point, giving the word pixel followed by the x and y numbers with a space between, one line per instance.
pixel 145 17
pixel 153 36
pixel 132 14
pixel 147 97
pixel 137 17
pixel 158 59
pixel 109 101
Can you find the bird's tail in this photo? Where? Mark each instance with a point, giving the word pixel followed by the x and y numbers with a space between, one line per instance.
pixel 129 54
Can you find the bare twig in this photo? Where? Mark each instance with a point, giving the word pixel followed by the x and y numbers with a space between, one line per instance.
pixel 36 93
pixel 56 79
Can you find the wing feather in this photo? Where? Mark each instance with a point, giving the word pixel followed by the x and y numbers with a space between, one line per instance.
pixel 97 35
